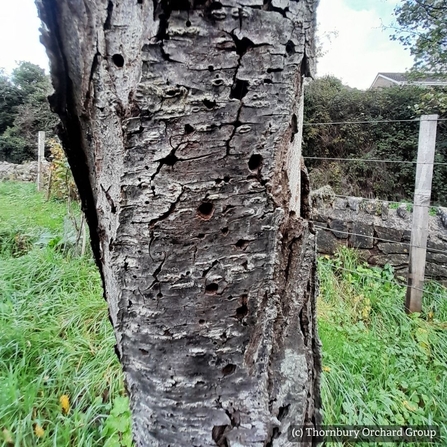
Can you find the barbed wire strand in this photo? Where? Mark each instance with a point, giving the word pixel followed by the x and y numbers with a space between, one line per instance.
pixel 434 250
pixel 389 201
pixel 374 160
pixel 375 278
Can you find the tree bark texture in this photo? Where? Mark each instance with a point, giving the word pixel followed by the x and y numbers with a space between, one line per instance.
pixel 179 122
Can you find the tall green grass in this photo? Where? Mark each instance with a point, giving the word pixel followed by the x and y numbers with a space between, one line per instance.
pixel 55 336
pixel 381 366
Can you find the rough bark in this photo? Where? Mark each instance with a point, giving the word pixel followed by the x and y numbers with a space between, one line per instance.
pixel 179 122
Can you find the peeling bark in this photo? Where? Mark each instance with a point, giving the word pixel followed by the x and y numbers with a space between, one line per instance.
pixel 179 122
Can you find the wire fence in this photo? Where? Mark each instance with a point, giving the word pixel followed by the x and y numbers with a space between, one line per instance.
pixel 375 160
pixel 402 202
pixel 337 123
pixel 407 244
pixel 382 280
pixel 349 234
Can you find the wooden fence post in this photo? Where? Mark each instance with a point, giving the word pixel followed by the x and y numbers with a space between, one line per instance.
pixel 419 230
pixel 40 157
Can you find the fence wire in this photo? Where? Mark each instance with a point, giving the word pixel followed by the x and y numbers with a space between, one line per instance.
pixel 402 202
pixel 434 250
pixel 330 123
pixel 375 160
pixel 385 281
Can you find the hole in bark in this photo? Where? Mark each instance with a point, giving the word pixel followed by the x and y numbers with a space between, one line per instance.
pixel 189 128
pixel 188 23
pixel 224 231
pixel 159 295
pixel 283 412
pixel 210 68
pixel 294 126
pixel 211 289
pixel 268 81
pixel 290 48
pixel 143 351
pixel 201 321
pixel 241 312
pixel 209 104
pixel 228 369
pixel 239 90
pixel 255 162
pixel 140 2
pixel 218 181
pixel 242 244
pixel 146 167
pixel 118 60
pixel 205 211
pixel 227 179
pixel 245 265
pixel 201 236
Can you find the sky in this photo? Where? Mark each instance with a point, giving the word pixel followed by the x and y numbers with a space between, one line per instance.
pixel 354 45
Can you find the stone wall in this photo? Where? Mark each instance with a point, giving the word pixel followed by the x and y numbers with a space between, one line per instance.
pixel 380 233
pixel 26 172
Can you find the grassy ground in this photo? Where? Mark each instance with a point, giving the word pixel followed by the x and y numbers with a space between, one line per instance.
pixel 60 381
pixel 380 365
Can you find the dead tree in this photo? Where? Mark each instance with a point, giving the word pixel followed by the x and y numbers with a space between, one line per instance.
pixel 180 126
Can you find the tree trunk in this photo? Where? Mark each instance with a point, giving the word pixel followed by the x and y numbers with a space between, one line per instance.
pixel 180 125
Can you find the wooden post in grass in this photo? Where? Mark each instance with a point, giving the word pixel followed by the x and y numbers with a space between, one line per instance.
pixel 419 230
pixel 40 157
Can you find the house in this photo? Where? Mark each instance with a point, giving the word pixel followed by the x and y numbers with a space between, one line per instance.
pixel 391 79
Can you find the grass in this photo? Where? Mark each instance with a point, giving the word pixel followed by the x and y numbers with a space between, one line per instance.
pixel 61 384
pixel 380 366
pixel 60 381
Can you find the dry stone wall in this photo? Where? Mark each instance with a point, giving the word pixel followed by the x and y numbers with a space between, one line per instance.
pixel 381 234
pixel 26 172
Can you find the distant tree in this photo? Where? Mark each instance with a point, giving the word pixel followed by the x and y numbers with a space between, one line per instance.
pixel 29 112
pixel 421 27
pixel 10 99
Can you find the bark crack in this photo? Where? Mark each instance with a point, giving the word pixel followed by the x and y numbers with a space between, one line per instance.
pixel 166 214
